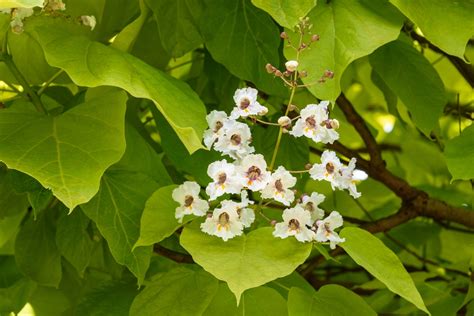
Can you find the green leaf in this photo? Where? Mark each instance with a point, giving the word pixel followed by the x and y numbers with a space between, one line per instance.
pixel 369 252
pixel 246 261
pixel 459 153
pixel 111 299
pixel 348 29
pixel 93 64
pixel 73 240
pixel 245 41
pixel 9 226
pixel 58 151
pixel 332 299
pixel 118 206
pixel 178 292
pixel 12 203
pixel 177 24
pixel 36 252
pixel 6 4
pixel 125 40
pixel 411 76
pixel 286 12
pixel 158 220
pixel 258 301
pixel 447 24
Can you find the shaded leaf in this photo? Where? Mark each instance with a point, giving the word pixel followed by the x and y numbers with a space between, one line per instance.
pixel 459 153
pixel 286 12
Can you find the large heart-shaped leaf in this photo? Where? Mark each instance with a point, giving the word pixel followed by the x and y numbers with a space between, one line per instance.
pixel 58 151
pixel 246 261
pixel 93 64
pixel 6 4
pixel 369 252
pixel 348 29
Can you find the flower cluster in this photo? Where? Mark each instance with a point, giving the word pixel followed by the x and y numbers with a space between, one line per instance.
pixel 244 171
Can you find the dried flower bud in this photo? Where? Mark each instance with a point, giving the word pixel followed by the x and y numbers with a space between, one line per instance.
pixel 329 74
pixel 284 121
pixel 278 73
pixel 283 35
pixel 270 69
pixel 291 65
pixel 315 38
pixel 308 166
pixel 303 74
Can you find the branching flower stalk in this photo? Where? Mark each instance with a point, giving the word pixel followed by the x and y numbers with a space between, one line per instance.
pixel 248 171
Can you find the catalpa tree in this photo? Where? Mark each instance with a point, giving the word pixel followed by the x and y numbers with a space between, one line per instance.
pixel 241 157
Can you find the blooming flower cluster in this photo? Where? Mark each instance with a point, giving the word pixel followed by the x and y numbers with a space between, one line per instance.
pixel 244 170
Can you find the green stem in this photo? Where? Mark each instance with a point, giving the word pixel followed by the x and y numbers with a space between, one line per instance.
pixel 49 82
pixel 7 59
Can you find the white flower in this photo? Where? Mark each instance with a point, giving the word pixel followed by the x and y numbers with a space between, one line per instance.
pixel 345 179
pixel 246 103
pixel 224 179
pixel 235 140
pixel 291 65
pixel 329 167
pixel 311 203
pixel 216 121
pixel 325 231
pixel 279 187
pixel 246 215
pixel 89 20
pixel 295 222
pixel 187 195
pixel 224 223
pixel 314 123
pixel 253 172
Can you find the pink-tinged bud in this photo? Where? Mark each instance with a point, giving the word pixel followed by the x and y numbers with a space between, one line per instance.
pixel 284 121
pixel 303 74
pixel 273 222
pixel 315 38
pixel 283 35
pixel 329 74
pixel 286 73
pixel 270 69
pixel 308 166
pixel 278 73
pixel 303 46
pixel 209 215
pixel 291 65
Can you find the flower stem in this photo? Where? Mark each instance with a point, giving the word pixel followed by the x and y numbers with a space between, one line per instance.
pixel 50 80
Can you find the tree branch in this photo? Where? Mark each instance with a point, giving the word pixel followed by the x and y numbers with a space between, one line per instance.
pixel 173 255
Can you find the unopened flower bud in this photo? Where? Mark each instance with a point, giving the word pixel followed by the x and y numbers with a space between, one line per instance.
pixel 315 38
pixel 284 130
pixel 269 68
pixel 329 74
pixel 308 166
pixel 209 215
pixel 291 65
pixel 284 121
pixel 291 107
pixel 303 46
pixel 303 74
pixel 283 35
pixel 334 123
pixel 278 73
pixel 263 111
pixel 273 222
pixel 287 73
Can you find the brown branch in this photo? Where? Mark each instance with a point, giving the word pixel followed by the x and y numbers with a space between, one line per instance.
pixel 173 255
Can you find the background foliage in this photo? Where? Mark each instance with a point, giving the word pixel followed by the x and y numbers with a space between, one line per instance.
pixel 97 126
